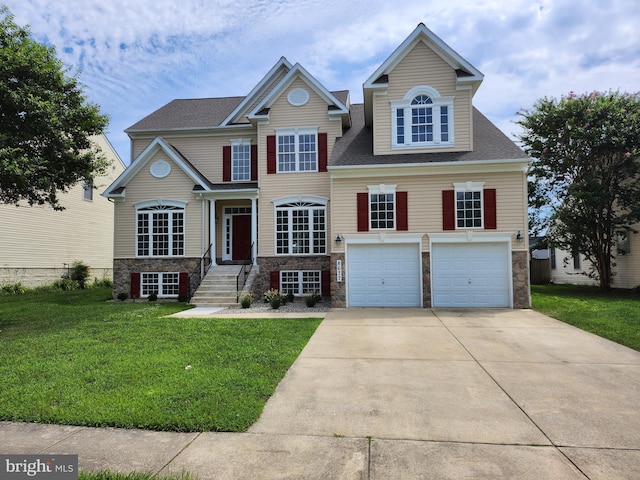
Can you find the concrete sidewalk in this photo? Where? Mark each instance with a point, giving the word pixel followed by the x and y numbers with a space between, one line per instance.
pixel 408 393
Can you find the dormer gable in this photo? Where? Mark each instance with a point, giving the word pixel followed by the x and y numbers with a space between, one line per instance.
pixel 420 99
pixel 335 107
pixel 466 75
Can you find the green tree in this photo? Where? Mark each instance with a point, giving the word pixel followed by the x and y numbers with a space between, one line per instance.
pixel 585 151
pixel 46 122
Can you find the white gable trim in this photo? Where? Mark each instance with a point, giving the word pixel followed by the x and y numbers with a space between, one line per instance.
pixel 143 159
pixel 298 71
pixel 423 34
pixel 258 89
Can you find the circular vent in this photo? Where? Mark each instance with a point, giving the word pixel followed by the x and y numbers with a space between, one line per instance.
pixel 160 169
pixel 298 97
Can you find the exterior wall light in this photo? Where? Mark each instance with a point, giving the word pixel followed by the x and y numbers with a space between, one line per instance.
pixel 519 238
pixel 338 240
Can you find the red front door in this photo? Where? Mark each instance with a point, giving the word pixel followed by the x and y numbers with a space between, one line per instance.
pixel 241 241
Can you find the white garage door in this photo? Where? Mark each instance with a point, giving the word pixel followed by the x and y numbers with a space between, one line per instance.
pixel 384 275
pixel 470 275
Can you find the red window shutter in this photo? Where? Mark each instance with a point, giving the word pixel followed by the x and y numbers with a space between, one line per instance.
pixel 448 210
pixel 183 283
pixel 226 163
pixel 134 288
pixel 326 283
pixel 274 279
pixel 490 211
pixel 363 212
pixel 271 154
pixel 322 152
pixel 402 212
pixel 254 163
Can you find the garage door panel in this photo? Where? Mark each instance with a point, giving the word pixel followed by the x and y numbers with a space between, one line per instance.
pixel 470 275
pixel 384 275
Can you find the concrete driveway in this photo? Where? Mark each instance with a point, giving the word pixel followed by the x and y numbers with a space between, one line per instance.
pixel 466 394
pixel 408 394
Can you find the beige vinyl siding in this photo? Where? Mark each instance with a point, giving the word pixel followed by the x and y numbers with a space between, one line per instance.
pixel 422 66
pixel 628 266
pixel 143 187
pixel 42 238
pixel 425 201
pixel 274 186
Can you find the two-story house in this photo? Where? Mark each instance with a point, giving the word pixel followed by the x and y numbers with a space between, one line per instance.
pixel 412 198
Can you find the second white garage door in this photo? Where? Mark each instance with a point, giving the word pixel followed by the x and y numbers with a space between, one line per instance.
pixel 470 275
pixel 384 275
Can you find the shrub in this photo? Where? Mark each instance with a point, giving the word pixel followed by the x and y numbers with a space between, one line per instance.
pixel 122 296
pixel 79 273
pixel 103 282
pixel 269 294
pixel 14 289
pixel 245 299
pixel 275 302
pixel 153 296
pixel 65 284
pixel 290 297
pixel 312 299
pixel 183 297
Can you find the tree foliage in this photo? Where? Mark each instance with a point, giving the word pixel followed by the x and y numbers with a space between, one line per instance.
pixel 46 122
pixel 585 170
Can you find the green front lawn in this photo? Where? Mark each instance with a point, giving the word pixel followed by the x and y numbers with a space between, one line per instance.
pixel 614 315
pixel 76 358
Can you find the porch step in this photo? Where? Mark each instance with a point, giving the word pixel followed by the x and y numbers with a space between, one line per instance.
pixel 218 288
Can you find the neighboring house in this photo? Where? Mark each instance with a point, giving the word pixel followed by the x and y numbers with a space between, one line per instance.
pixel 413 198
pixel 38 244
pixel 574 268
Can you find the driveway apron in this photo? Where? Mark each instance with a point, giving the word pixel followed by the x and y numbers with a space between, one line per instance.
pixel 500 393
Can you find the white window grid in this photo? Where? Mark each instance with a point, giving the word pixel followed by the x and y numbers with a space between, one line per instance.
pixel 469 209
pixel 160 232
pixel 382 211
pixel 301 229
pixel 241 162
pixel 300 282
pixel 163 284
pixel 297 151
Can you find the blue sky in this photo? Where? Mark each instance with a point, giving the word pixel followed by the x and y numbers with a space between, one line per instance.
pixel 135 56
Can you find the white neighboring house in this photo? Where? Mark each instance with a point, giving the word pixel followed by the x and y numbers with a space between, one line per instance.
pixel 38 244
pixel 573 270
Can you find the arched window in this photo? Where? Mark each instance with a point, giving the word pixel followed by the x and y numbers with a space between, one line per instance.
pixel 423 118
pixel 301 225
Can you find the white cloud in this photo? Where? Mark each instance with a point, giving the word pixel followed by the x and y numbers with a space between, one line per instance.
pixel 136 56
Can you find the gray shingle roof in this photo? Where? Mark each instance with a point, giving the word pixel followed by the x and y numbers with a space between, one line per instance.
pixel 356 146
pixel 188 113
pixel 185 114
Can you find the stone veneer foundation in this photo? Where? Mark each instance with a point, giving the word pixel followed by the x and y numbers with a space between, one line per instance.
pixel 520 271
pixel 123 267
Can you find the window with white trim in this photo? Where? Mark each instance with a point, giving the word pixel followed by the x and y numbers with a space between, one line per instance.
pixel 469 209
pixel 423 118
pixel 160 231
pixel 382 207
pixel 87 191
pixel 240 160
pixel 301 228
pixel 300 282
pixel 163 284
pixel 297 150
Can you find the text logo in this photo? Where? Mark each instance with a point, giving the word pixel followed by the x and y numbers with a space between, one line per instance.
pixel 38 467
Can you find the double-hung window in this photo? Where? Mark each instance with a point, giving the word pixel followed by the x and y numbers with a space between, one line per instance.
pixel 382 207
pixel 301 228
pixel 423 118
pixel 240 160
pixel 469 205
pixel 160 230
pixel 297 150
